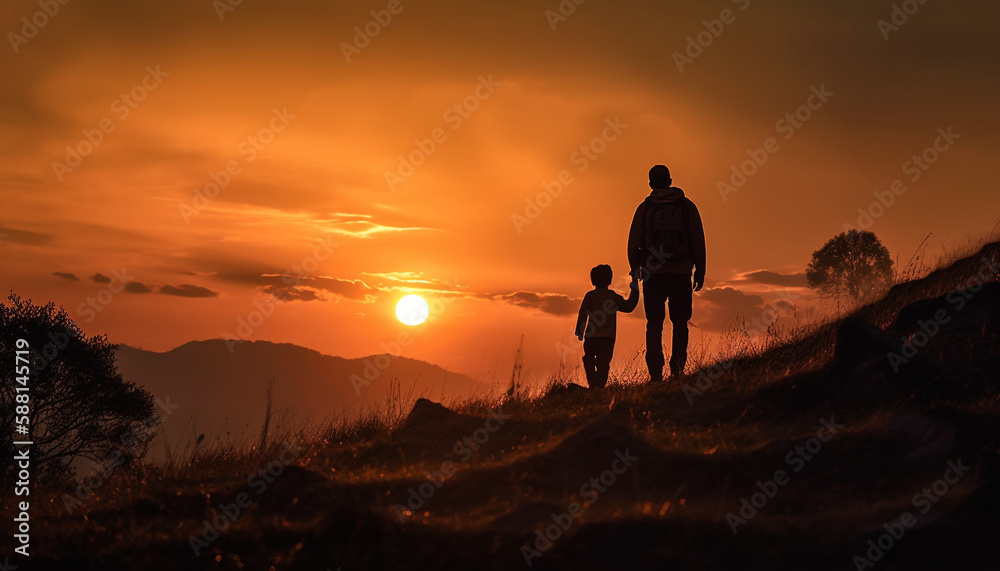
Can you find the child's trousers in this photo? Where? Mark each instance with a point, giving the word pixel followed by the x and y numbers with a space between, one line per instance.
pixel 597 360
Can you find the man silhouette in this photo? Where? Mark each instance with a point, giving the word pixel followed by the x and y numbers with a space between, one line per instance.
pixel 665 244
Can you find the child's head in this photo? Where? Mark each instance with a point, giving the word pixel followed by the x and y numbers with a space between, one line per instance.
pixel 601 276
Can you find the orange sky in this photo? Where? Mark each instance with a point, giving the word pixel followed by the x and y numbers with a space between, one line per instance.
pixel 267 91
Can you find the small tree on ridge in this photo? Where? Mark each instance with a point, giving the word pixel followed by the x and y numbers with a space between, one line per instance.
pixel 854 264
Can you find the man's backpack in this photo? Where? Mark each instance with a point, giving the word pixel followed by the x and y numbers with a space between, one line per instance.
pixel 667 232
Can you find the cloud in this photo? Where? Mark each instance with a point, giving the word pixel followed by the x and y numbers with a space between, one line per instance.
pixel 722 307
pixel 403 277
pixel 417 282
pixel 552 303
pixel 309 288
pixel 290 293
pixel 187 290
pixel 351 289
pixel 66 276
pixel 282 284
pixel 362 226
pixel 768 277
pixel 26 237
pixel 323 288
pixel 183 290
pixel 137 287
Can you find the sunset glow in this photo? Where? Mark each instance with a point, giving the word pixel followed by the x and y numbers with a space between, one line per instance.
pixel 206 155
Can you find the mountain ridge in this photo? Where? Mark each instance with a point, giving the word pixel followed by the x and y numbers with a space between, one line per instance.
pixel 219 391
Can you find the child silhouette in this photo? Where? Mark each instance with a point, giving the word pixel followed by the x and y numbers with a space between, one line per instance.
pixel 596 324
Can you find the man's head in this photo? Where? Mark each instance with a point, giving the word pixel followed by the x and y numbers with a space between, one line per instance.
pixel 659 177
pixel 601 276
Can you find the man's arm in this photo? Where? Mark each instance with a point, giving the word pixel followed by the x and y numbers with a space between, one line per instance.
pixel 635 241
pixel 628 305
pixel 698 248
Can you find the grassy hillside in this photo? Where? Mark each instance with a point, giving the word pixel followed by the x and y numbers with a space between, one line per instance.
pixel 840 449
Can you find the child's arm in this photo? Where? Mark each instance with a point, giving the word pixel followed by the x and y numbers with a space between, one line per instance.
pixel 629 304
pixel 581 320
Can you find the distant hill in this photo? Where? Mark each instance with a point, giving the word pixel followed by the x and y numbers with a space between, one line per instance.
pixel 219 392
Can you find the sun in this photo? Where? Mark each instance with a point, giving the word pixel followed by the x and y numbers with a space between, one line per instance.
pixel 412 310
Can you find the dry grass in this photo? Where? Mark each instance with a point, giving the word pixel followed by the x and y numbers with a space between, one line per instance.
pixel 373 459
